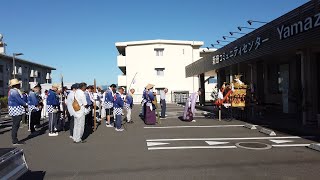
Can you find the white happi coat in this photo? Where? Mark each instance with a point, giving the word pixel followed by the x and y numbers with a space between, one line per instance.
pixel 81 98
pixel 69 102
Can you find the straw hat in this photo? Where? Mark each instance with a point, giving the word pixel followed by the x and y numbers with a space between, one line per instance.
pixel 149 86
pixel 14 82
pixel 56 85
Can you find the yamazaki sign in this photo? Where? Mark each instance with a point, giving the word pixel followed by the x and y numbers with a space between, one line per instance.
pixel 299 27
pixel 284 32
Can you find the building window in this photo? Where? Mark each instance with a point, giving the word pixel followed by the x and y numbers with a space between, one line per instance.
pixel 1 84
pixel 159 51
pixel 1 68
pixel 160 71
pixel 273 78
pixel 182 51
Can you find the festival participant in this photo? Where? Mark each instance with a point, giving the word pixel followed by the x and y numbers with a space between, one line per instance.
pixel 79 116
pixel 98 103
pixel 103 107
pixel 109 101
pixel 143 103
pixel 163 103
pixel 34 108
pixel 156 107
pixel 44 97
pixel 150 115
pixel 53 108
pixel 118 106
pixel 129 104
pixel 25 99
pixel 60 125
pixel 16 107
pixel 38 113
pixel 190 105
pixel 90 101
pixel 70 99
pixel 63 105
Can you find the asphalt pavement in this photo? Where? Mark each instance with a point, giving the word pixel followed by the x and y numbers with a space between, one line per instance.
pixel 205 149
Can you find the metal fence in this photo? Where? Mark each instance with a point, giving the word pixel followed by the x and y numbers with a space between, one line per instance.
pixel 174 97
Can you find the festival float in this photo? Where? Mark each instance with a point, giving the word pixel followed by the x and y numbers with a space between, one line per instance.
pixel 232 95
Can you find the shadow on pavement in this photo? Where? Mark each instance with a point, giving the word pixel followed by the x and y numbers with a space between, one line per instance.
pixel 33 175
pixel 271 119
pixel 39 132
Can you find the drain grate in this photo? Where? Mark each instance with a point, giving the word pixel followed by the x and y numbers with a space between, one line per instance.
pixel 253 145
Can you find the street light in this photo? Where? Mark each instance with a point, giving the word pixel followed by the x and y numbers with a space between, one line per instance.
pixel 14 63
pixel 225 37
pixel 218 41
pixel 212 45
pixel 240 28
pixel 252 21
pixel 231 33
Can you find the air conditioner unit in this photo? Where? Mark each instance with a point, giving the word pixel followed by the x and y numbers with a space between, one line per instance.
pixel 14 71
pixel 19 71
pixel 48 76
pixel 35 73
pixel 32 73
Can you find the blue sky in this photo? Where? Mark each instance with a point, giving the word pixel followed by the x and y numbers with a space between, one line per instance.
pixel 77 36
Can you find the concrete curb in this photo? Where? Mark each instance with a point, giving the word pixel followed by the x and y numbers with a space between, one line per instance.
pixel 314 146
pixel 250 126
pixel 268 132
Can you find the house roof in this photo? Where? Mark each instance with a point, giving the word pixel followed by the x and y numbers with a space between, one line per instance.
pixel 122 45
pixel 25 61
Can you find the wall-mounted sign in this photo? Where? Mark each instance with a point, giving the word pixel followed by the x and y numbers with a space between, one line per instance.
pixel 299 27
pixel 239 50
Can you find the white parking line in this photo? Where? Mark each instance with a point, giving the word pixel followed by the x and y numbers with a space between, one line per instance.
pixel 226 139
pixel 176 116
pixel 290 145
pixel 171 127
pixel 192 147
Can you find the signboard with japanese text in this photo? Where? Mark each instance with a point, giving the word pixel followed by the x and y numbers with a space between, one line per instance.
pixel 239 50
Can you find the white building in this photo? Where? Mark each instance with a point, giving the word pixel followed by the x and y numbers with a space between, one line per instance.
pixel 159 62
pixel 25 71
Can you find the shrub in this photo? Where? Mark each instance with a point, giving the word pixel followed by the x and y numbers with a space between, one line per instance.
pixel 4 102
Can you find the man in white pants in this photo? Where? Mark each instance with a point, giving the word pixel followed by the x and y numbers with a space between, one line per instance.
pixel 70 99
pixel 79 116
pixel 44 97
pixel 129 104
pixel 102 105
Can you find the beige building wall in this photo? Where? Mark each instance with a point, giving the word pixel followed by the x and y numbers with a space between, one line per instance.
pixel 142 60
